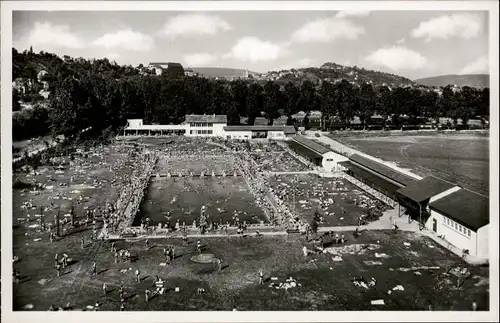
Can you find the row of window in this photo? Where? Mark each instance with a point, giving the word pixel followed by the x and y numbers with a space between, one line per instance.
pixel 456 226
pixel 201 132
pixel 201 124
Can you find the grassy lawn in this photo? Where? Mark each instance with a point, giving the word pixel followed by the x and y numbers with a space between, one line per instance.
pixel 334 198
pixel 324 284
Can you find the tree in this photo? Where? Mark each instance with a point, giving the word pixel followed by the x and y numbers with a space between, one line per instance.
pixel 272 101
pixel 16 106
pixel 291 96
pixel 239 90
pixel 345 101
pixel 327 104
pixel 254 102
pixel 366 103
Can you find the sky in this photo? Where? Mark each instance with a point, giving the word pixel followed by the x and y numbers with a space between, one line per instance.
pixel 413 44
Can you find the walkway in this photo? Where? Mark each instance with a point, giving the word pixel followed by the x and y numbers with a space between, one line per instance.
pixel 208 235
pixel 294 173
pixel 347 151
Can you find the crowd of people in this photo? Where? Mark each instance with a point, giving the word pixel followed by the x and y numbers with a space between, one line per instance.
pixel 131 196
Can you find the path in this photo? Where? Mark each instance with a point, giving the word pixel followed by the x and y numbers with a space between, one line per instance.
pixel 347 151
pixel 294 173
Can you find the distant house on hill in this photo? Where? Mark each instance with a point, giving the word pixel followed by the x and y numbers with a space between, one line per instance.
pixel 190 72
pixel 173 70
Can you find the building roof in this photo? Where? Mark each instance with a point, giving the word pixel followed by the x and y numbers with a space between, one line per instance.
pixel 304 151
pixel 383 170
pixel 424 189
pixel 289 130
pixel 320 149
pixel 372 177
pixel 285 129
pixel 466 207
pixel 210 118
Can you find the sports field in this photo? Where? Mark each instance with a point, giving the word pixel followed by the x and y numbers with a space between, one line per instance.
pixel 458 158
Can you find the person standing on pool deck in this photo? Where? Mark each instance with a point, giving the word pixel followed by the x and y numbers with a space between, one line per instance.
pixel 94 268
pixel 261 277
pixel 137 274
pixel 104 288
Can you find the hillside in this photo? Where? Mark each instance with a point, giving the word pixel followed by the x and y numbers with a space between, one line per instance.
pixel 472 80
pixel 334 72
pixel 220 72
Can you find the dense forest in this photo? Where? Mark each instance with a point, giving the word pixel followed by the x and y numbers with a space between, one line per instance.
pixel 102 95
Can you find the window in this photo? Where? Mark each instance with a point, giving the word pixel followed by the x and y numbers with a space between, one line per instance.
pixel 191 132
pixel 210 132
pixel 468 232
pixel 460 228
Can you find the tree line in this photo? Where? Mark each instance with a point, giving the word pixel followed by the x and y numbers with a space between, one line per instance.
pixel 100 95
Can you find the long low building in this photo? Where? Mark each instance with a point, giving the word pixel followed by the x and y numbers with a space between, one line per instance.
pixel 208 126
pixel 257 132
pixel 458 215
pixel 379 177
pixel 315 153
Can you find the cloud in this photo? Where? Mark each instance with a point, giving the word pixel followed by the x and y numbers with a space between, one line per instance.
pixel 194 25
pixel 199 59
pixel 397 58
pixel 465 25
pixel 327 30
pixel 401 41
pixel 252 49
pixel 48 35
pixel 479 66
pixel 352 13
pixel 126 39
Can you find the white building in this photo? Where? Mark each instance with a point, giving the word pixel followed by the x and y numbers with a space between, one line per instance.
pixel 246 132
pixel 462 217
pixel 317 154
pixel 459 215
pixel 209 126
pixel 193 126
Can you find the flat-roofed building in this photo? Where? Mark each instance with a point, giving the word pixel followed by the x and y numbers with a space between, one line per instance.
pixel 316 153
pixel 245 132
pixel 205 125
pixel 462 217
